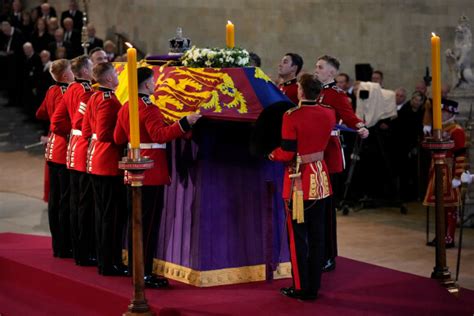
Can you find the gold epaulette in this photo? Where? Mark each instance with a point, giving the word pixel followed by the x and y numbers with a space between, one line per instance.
pixel 293 110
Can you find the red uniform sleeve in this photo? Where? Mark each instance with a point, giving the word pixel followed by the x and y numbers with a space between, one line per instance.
pixel 157 128
pixel 340 102
pixel 459 151
pixel 60 122
pixel 120 134
pixel 106 119
pixel 287 151
pixel 86 122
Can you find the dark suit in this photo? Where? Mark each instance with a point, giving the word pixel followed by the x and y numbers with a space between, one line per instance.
pixel 31 73
pixel 54 45
pixel 12 61
pixel 95 42
pixel 74 40
pixel 77 18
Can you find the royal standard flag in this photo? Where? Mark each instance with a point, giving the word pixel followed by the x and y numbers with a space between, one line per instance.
pixel 238 94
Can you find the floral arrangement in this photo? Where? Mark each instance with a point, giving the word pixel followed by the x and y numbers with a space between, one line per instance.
pixel 215 57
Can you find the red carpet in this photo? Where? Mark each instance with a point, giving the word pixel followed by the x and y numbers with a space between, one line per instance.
pixel 32 282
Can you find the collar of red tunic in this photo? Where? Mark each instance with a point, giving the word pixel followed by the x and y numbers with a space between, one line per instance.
pixel 329 85
pixel 287 83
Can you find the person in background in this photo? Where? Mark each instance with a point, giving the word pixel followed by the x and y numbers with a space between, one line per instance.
pixel 288 68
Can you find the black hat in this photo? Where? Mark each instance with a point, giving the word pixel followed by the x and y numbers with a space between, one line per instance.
pixel 449 106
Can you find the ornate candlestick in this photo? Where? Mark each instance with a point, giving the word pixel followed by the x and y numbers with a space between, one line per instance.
pixel 439 148
pixel 135 166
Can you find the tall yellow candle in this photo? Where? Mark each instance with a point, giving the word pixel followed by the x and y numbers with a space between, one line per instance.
pixel 436 80
pixel 133 97
pixel 229 35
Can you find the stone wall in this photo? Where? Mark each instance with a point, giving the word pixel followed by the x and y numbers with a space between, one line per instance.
pixel 392 35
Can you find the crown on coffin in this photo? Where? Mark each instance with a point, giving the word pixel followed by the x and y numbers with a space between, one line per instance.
pixel 179 44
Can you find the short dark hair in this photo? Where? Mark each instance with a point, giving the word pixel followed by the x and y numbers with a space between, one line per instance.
pixel 331 60
pixel 95 49
pixel 310 86
pixel 143 74
pixel 345 76
pixel 255 60
pixel 100 70
pixel 296 60
pixel 378 72
pixel 78 63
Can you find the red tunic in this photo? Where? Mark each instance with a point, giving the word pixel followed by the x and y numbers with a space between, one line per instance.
pixel 99 122
pixel 290 89
pixel 336 98
pixel 153 133
pixel 301 134
pixel 65 121
pixel 57 143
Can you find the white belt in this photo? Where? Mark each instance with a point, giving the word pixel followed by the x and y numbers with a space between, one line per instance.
pixel 150 146
pixel 335 132
pixel 76 132
pixel 94 136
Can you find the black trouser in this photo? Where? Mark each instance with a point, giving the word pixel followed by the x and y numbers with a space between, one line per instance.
pixel 331 224
pixel 110 215
pixel 307 246
pixel 58 209
pixel 73 213
pixel 152 206
pixel 85 216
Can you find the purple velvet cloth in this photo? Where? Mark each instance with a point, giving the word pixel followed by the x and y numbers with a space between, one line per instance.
pixel 215 213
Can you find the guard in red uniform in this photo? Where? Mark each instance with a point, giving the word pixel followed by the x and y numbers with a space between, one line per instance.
pixel 154 134
pixel 67 121
pixel 452 170
pixel 289 67
pixel 58 205
pixel 306 186
pixel 331 95
pixel 102 163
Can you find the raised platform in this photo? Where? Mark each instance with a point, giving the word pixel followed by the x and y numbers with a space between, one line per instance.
pixel 32 282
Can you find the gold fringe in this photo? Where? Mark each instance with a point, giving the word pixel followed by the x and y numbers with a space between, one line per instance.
pixel 218 277
pixel 298 206
pixel 214 277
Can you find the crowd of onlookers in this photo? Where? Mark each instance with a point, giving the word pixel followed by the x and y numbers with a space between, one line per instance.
pixel 31 39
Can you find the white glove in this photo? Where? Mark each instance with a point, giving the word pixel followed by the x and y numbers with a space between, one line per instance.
pixel 455 183
pixel 466 177
pixel 427 129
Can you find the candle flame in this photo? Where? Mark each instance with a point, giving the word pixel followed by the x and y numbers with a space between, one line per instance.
pixel 433 34
pixel 229 22
pixel 129 45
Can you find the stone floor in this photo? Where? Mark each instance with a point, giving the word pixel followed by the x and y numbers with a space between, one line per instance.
pixel 380 236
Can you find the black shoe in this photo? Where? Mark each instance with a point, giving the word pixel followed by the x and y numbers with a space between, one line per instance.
pixel 65 254
pixel 89 262
pixel 114 270
pixel 329 265
pixel 431 243
pixel 450 245
pixel 298 294
pixel 154 282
